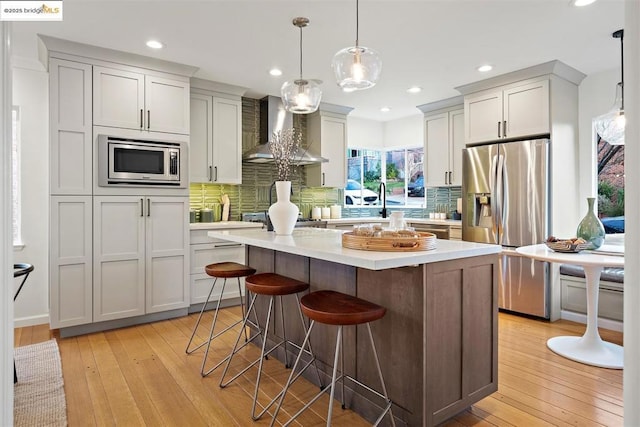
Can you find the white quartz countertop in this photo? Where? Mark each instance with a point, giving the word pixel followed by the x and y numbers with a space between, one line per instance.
pixel 224 225
pixel 326 244
pixel 373 219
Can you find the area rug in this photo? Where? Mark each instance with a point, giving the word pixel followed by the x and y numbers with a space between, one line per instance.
pixel 39 393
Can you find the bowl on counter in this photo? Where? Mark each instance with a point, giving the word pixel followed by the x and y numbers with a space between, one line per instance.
pixel 567 245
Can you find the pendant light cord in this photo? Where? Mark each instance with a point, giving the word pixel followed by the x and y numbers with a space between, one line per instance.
pixel 357 21
pixel 300 53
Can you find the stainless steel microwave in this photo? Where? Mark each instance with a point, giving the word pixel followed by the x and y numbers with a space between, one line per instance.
pixel 126 161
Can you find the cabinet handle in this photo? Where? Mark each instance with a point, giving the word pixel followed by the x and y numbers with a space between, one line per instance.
pixel 230 245
pixel 450 173
pixel 323 178
pixel 215 169
pixel 141 119
pixel 148 119
pixel 499 130
pixel 445 178
pixel 210 174
pixel 504 129
pixel 148 207
pixel 141 207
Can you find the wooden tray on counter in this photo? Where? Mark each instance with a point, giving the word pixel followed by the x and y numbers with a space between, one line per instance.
pixel 424 242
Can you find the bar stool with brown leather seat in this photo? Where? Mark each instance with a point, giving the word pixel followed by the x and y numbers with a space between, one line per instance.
pixel 221 270
pixel 335 308
pixel 271 285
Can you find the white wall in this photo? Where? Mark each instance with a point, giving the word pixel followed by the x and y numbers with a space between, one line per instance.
pixel 595 97
pixel 632 206
pixel 6 239
pixel 31 95
pixel 405 132
pixel 363 133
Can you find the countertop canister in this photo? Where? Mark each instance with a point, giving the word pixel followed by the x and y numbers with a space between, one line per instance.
pixel 336 212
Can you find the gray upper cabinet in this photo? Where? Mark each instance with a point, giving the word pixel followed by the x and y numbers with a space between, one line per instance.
pixel 133 100
pixel 216 138
pixel 511 112
pixel 70 127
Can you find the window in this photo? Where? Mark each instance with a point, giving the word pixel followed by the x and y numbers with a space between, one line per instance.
pixel 15 171
pixel 611 186
pixel 401 170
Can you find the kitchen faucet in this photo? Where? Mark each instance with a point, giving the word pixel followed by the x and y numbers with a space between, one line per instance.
pixel 382 190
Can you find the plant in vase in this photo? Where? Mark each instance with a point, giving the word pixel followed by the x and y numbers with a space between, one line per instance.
pixel 283 146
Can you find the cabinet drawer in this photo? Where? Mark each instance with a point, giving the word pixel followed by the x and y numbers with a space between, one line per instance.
pixel 200 236
pixel 201 285
pixel 455 233
pixel 223 251
pixel 574 298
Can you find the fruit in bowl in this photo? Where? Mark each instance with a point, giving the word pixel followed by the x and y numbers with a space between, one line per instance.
pixel 574 245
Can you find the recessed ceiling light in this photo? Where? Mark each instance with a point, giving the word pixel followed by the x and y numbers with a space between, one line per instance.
pixel 385 109
pixel 275 72
pixel 485 68
pixel 580 3
pixel 414 89
pixel 155 44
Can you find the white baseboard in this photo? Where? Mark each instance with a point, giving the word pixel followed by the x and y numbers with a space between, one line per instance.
pixel 612 325
pixel 31 321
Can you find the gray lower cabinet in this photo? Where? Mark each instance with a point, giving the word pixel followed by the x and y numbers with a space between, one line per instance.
pixel 205 250
pixel 70 261
pixel 141 255
pixel 438 342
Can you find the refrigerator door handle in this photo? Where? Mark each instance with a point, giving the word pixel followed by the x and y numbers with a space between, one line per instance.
pixel 494 199
pixel 499 196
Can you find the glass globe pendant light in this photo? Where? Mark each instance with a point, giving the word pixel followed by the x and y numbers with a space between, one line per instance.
pixel 610 126
pixel 356 67
pixel 301 96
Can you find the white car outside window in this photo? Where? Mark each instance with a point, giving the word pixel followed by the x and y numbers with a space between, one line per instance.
pixel 355 194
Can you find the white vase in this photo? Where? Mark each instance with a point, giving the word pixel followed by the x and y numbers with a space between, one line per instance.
pixel 283 214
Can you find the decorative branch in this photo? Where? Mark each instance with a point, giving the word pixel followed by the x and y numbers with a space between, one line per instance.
pixel 284 146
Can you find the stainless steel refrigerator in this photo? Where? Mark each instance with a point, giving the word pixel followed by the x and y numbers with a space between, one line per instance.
pixel 506 201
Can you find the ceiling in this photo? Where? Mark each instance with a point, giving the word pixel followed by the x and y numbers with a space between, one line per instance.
pixel 436 45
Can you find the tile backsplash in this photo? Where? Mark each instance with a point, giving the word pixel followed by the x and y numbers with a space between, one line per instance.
pixel 253 194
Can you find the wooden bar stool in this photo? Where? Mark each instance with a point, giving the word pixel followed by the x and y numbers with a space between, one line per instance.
pixel 221 270
pixel 335 308
pixel 271 285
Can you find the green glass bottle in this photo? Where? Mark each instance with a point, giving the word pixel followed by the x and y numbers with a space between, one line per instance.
pixel 591 228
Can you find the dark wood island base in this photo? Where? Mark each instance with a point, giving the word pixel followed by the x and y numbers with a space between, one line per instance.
pixel 438 342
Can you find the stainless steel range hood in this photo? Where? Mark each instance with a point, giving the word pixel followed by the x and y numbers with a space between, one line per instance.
pixel 273 118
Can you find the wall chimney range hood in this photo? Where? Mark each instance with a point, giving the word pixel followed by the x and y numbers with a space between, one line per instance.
pixel 273 118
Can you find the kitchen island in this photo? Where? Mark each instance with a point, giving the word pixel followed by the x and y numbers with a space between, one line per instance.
pixel 438 340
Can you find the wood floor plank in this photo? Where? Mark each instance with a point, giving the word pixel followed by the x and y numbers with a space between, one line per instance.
pixel 76 387
pixel 99 402
pixel 142 376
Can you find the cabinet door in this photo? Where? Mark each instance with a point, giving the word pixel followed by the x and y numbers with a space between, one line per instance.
pixel 204 254
pixel 167 105
pixel 200 139
pixel 70 127
pixel 167 253
pixel 118 98
pixel 118 250
pixel 526 109
pixel 436 134
pixel 483 116
pixel 456 144
pixel 70 261
pixel 334 148
pixel 227 141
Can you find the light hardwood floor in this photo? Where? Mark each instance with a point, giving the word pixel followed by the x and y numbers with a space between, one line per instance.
pixel 142 376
